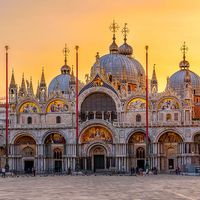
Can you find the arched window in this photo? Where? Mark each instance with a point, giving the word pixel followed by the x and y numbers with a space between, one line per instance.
pixel 57 154
pixel 138 118
pixel 168 117
pixel 58 119
pixel 29 120
pixel 140 152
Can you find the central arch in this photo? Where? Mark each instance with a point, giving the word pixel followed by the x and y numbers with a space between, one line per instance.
pixel 98 105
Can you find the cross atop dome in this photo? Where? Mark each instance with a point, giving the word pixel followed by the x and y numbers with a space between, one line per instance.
pixel 66 52
pixel 184 50
pixel 125 30
pixel 184 64
pixel 113 47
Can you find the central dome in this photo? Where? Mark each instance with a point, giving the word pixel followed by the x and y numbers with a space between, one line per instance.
pixel 116 64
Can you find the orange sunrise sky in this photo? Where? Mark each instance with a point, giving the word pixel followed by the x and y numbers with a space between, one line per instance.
pixel 37 30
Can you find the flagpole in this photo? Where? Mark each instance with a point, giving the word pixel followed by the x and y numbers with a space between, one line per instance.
pixel 7 107
pixel 77 113
pixel 147 110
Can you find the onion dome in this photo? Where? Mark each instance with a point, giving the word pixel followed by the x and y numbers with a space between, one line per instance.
pixel 184 75
pixel 114 47
pixel 125 49
pixel 62 81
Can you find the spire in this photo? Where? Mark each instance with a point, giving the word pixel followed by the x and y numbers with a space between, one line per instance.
pixel 125 30
pixel 31 87
pixel 42 82
pixel 154 78
pixel 65 52
pixel 12 82
pixel 38 90
pixel 72 81
pixel 154 82
pixel 22 90
pixel 113 28
pixel 184 64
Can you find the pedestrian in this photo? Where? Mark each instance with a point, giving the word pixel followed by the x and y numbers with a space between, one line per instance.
pixel 33 171
pixel 3 172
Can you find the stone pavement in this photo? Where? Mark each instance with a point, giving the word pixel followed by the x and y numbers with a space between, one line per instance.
pixel 170 187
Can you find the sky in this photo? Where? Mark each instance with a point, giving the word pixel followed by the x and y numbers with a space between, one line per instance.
pixel 36 32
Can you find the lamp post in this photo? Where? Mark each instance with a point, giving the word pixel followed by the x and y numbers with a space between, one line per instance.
pixel 7 165
pixel 77 167
pixel 147 110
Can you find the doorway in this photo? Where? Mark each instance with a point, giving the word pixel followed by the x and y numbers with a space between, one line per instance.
pixel 58 165
pixel 140 164
pixel 170 164
pixel 28 166
pixel 99 162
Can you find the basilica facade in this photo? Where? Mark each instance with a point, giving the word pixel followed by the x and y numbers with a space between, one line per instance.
pixel 112 118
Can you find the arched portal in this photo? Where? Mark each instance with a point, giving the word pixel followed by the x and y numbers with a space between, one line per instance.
pixel 25 147
pixel 98 105
pixel 54 151
pixel 97 142
pixel 98 157
pixel 137 150
pixel 169 145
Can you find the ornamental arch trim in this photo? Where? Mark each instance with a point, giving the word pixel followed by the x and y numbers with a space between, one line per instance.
pixel 104 90
pixel 93 123
pixel 96 144
pixel 46 134
pixel 169 130
pixel 132 132
pixel 22 134
pixel 195 134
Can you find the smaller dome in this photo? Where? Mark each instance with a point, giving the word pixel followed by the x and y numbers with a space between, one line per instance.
pixel 113 47
pixel 65 69
pixel 126 49
pixel 184 64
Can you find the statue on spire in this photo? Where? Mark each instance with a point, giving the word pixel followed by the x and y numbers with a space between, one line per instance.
pixel 125 31
pixel 65 52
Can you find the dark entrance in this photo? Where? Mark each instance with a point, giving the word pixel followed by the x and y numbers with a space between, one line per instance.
pixel 171 164
pixel 140 164
pixel 58 165
pixel 28 166
pixel 99 162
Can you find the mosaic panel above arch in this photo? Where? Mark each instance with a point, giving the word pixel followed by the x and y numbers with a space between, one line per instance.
pixel 170 137
pixel 25 139
pixel 55 138
pixel 168 104
pixel 96 133
pixel 138 137
pixel 57 106
pixel 29 107
pixel 136 104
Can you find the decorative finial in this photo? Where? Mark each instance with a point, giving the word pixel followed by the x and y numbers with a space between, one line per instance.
pixel 184 50
pixel 114 28
pixel 66 52
pixel 97 56
pixel 125 30
pixel 6 47
pixel 76 47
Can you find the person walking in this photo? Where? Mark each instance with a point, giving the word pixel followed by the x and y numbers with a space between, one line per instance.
pixel 3 172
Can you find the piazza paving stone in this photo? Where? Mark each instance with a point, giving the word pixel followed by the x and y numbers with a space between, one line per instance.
pixel 159 187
